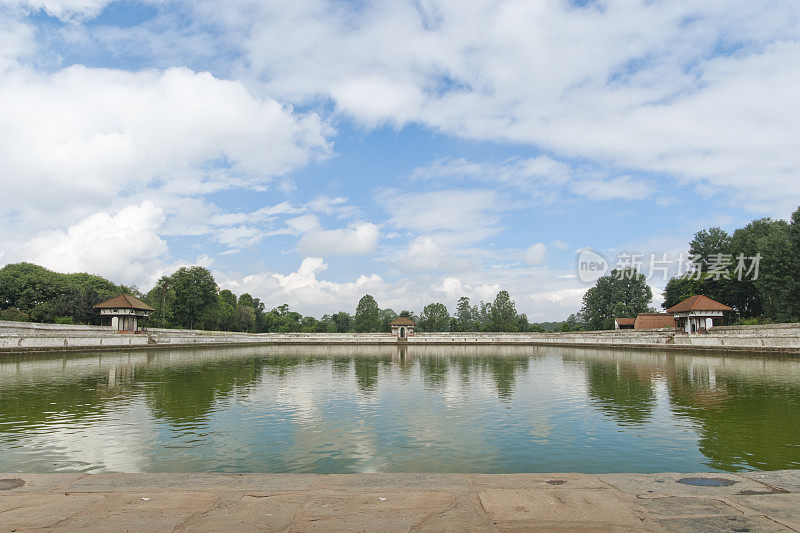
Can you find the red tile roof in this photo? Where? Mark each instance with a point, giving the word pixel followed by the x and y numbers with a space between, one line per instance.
pixel 402 321
pixel 624 321
pixel 124 301
pixel 698 303
pixel 654 321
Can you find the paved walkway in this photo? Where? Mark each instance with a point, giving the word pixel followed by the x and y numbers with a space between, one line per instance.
pixel 758 501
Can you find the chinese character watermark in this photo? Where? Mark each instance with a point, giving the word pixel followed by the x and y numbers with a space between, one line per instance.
pixel 592 265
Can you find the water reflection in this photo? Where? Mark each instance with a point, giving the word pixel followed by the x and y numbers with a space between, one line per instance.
pixel 366 370
pixel 186 393
pixel 357 409
pixel 623 390
pixel 742 421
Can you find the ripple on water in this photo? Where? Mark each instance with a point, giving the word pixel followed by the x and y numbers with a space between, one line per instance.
pixel 487 411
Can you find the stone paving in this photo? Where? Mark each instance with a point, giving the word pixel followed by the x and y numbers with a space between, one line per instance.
pixel 754 501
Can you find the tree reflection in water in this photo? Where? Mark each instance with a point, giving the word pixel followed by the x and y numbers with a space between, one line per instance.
pixel 742 413
pixel 742 422
pixel 622 390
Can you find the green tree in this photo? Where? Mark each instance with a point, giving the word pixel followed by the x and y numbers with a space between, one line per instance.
pixel 776 282
pixel 247 317
pixel 464 319
pixel 503 313
pixel 678 289
pixel 309 324
pixel 343 322
pixel 14 315
pixel 621 291
pixel 709 243
pixel 368 315
pixel 229 315
pixel 522 323
pixel 387 316
pixel 195 290
pixel 434 317
pixel 45 295
pixel 482 316
pixel 161 298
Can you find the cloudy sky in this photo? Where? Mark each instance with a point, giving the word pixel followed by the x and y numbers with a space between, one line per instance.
pixel 311 151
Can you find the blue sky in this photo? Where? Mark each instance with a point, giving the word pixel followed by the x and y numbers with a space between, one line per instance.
pixel 310 152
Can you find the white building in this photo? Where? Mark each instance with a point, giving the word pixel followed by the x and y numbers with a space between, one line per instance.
pixel 402 327
pixel 698 314
pixel 126 313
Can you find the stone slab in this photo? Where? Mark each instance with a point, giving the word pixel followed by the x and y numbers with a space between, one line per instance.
pixel 667 484
pixel 722 524
pixel 538 481
pixel 783 508
pixel 160 511
pixel 685 506
pixel 198 481
pixel 370 511
pixel 395 481
pixel 395 502
pixel 543 507
pixel 40 482
pixel 788 480
pixel 249 512
pixel 25 511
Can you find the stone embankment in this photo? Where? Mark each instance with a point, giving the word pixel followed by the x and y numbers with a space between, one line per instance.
pixel 749 501
pixel 17 337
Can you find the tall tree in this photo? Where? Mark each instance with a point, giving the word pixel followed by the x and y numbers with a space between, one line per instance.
pixel 434 317
pixel 678 289
pixel 161 298
pixel 368 315
pixel 195 290
pixel 464 318
pixel 229 316
pixel 387 316
pixel 482 316
pixel 707 244
pixel 622 291
pixel 343 322
pixel 503 313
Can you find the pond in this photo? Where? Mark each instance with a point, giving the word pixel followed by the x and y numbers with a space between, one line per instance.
pixel 389 409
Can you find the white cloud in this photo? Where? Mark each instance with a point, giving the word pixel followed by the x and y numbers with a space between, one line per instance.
pixel 357 239
pixel 303 289
pixel 262 214
pixel 457 217
pixel 541 177
pixel 303 223
pixel 62 9
pixel 651 86
pixel 423 253
pixel 543 294
pixel 332 206
pixel 124 246
pixel 16 41
pixel 239 236
pixel 536 254
pixel 89 135
pixel 455 289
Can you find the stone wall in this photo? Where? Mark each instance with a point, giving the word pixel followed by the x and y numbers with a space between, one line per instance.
pixel 31 337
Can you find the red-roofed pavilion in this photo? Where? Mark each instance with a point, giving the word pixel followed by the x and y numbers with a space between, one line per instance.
pixel 698 314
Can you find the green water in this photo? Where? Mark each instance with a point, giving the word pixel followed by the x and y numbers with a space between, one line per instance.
pixel 377 409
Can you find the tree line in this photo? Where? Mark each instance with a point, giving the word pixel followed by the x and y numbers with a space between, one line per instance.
pixel 755 270
pixel 772 295
pixel 190 298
